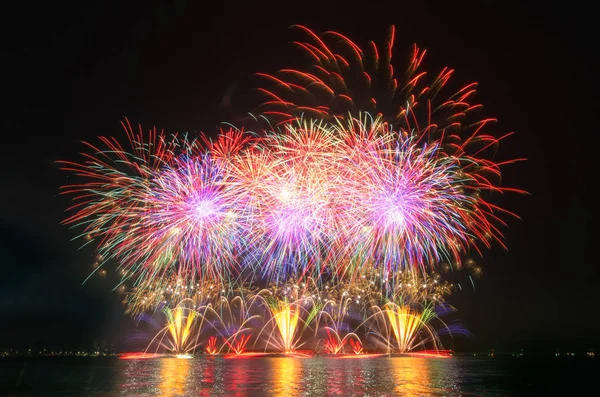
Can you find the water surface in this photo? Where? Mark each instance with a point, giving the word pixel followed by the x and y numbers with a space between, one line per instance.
pixel 289 377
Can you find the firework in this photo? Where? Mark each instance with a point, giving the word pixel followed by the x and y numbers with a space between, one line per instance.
pixel 411 206
pixel 282 318
pixel 344 79
pixel 318 201
pixel 357 347
pixel 191 221
pixel 154 293
pixel 164 210
pixel 211 346
pixel 408 314
pixel 347 217
pixel 292 308
pixel 290 183
pixel 235 319
pixel 178 336
pixel 423 144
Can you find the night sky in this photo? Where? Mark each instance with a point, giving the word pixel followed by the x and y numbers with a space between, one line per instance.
pixel 71 74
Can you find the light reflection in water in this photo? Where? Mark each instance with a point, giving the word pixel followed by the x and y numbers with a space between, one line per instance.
pixel 411 376
pixel 290 377
pixel 174 374
pixel 237 381
pixel 286 374
pixel 382 376
pixel 208 372
pixel 343 377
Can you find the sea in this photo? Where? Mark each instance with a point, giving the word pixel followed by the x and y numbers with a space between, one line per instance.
pixel 289 376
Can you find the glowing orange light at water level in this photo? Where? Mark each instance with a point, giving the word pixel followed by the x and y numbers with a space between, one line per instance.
pixel 432 353
pixel 362 356
pixel 246 355
pixel 138 356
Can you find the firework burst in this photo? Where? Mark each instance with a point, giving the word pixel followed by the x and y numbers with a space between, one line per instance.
pixel 163 210
pixel 191 223
pixel 409 206
pixel 343 78
pixel 366 184
pixel 420 164
pixel 293 207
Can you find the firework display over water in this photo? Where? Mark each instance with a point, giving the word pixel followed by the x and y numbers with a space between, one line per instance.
pixel 342 199
pixel 347 196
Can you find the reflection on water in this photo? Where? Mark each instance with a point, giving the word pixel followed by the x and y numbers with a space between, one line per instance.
pixel 347 376
pixel 411 376
pixel 174 375
pixel 239 377
pixel 286 371
pixel 290 377
pixel 208 375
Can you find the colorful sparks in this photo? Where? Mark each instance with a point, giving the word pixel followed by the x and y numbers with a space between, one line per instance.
pixel 337 220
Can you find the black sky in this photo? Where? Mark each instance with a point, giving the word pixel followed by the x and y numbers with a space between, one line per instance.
pixel 72 72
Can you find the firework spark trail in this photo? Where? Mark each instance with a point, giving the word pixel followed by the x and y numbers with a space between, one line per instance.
pixel 178 336
pixel 334 194
pixel 409 205
pixel 191 219
pixel 113 200
pixel 293 308
pixel 332 318
pixel 344 78
pixel 416 130
pixel 293 209
pixel 319 198
pixel 161 210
